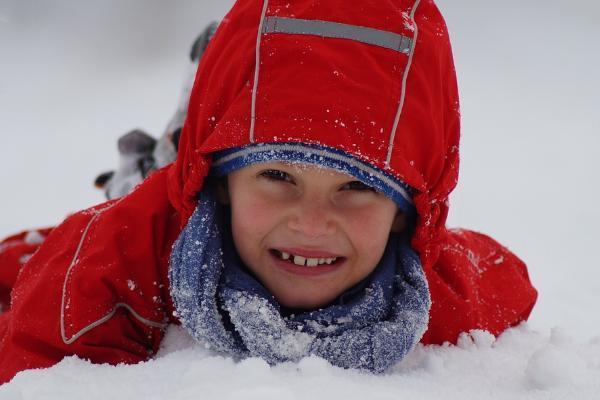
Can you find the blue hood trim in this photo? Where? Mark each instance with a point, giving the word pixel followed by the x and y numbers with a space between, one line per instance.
pixel 227 161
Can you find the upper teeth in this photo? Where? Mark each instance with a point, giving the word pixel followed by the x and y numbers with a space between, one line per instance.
pixel 309 262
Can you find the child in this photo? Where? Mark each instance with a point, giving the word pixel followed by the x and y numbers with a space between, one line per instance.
pixel 305 213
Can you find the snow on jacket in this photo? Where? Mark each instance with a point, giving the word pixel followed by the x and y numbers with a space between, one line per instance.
pixel 98 288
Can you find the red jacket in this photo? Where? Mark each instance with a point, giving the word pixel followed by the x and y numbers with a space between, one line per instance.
pixel 98 285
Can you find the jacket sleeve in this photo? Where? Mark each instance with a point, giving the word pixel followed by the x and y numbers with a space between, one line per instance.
pixel 15 251
pixel 476 284
pixel 94 288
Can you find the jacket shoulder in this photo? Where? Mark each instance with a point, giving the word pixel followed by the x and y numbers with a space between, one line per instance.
pixel 120 261
pixel 97 285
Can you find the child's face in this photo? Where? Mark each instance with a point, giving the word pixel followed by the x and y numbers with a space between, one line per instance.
pixel 286 214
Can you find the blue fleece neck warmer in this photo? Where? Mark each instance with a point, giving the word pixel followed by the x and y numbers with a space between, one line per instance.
pixel 371 326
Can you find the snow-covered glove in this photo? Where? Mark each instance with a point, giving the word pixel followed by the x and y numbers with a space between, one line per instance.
pixel 139 153
pixel 136 162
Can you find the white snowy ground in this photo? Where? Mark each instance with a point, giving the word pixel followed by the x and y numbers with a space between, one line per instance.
pixel 74 76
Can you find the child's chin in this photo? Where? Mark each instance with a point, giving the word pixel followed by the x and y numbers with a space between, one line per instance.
pixel 304 301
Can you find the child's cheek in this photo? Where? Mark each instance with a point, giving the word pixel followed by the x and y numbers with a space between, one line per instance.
pixel 255 216
pixel 370 219
pixel 370 226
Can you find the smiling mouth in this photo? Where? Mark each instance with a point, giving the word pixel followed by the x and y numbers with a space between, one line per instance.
pixel 304 261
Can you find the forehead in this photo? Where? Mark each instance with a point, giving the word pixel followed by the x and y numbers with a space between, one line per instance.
pixel 298 168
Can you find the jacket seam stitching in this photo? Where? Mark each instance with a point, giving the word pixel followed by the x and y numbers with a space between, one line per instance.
pixel 112 312
pixel 257 71
pixel 403 91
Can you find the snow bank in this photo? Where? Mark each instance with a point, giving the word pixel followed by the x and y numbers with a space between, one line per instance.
pixel 520 364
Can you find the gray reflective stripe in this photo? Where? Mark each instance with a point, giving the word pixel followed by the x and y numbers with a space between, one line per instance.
pixel 376 37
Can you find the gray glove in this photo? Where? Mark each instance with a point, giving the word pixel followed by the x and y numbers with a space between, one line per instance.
pixel 139 153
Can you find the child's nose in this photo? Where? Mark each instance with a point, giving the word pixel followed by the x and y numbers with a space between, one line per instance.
pixel 313 218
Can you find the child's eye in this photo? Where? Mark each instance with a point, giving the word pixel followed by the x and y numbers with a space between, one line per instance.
pixel 359 186
pixel 276 175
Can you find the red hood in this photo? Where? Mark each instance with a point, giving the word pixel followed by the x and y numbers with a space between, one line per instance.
pixel 336 92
